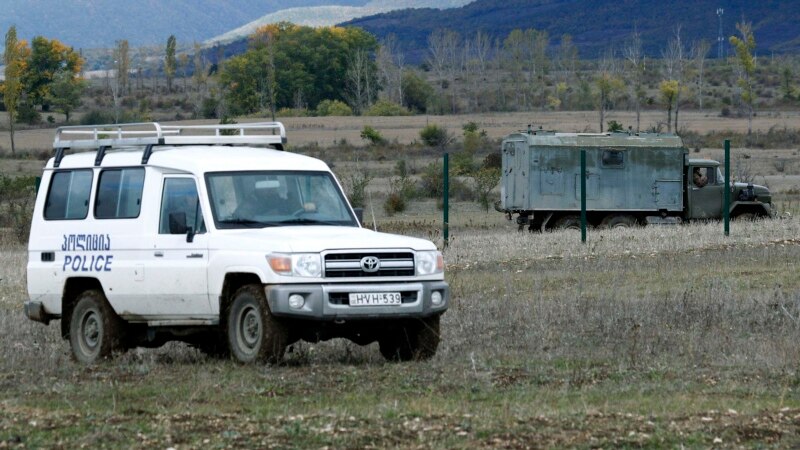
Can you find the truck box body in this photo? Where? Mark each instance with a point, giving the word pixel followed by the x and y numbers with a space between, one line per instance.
pixel 541 172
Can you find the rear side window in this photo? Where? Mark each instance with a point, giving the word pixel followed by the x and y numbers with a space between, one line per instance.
pixel 119 194
pixel 68 197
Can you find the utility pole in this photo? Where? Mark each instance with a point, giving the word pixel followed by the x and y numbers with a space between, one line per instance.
pixel 720 36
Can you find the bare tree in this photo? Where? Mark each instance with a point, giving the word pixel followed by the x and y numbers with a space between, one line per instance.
pixel 635 62
pixel 700 51
pixel 608 83
pixel 675 60
pixel 476 60
pixel 360 89
pixel 390 63
pixel 514 55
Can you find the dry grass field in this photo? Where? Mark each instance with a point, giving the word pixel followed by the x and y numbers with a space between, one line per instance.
pixel 327 131
pixel 671 336
pixel 654 337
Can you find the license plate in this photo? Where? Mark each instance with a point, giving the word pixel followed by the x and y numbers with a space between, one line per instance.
pixel 375 299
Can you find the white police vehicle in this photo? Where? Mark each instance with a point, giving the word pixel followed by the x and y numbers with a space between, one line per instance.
pixel 200 234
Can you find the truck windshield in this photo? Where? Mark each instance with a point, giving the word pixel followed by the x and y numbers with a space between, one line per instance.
pixel 276 198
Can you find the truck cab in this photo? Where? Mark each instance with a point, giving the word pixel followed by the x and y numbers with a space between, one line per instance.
pixel 705 191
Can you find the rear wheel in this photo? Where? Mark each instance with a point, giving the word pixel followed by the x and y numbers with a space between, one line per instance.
pixel 619 221
pixel 415 341
pixel 96 331
pixel 254 335
pixel 570 222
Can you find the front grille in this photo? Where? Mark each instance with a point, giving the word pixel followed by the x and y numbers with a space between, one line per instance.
pixel 348 265
pixel 343 298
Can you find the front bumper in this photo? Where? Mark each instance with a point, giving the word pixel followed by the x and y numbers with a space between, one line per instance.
pixel 329 301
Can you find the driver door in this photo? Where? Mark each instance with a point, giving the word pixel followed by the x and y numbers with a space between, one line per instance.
pixel 705 202
pixel 178 272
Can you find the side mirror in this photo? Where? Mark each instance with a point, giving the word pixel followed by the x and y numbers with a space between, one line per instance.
pixel 359 214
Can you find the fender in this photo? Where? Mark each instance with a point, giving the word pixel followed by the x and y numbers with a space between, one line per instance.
pixel 751 205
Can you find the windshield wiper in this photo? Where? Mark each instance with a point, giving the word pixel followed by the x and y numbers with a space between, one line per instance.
pixel 249 223
pixel 306 221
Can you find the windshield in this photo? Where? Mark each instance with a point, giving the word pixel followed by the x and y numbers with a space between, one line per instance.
pixel 276 198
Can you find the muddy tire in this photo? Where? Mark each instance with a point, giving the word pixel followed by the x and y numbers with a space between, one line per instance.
pixel 96 332
pixel 254 335
pixel 619 221
pixel 571 222
pixel 415 341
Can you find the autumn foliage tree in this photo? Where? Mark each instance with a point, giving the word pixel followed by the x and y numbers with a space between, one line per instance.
pixel 303 65
pixel 744 47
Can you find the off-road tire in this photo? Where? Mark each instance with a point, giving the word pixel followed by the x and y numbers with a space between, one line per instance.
pixel 619 221
pixel 415 341
pixel 254 335
pixel 570 222
pixel 95 330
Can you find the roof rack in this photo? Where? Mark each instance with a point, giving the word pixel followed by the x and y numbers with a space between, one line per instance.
pixel 151 134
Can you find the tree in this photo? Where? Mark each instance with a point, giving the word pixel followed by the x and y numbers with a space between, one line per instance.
pixel 65 92
pixel 122 65
pixel 14 60
pixel 608 85
pixel 700 51
pixel 744 48
pixel 359 81
pixel 170 62
pixel 47 58
pixel 669 92
pixel 675 61
pixel 635 60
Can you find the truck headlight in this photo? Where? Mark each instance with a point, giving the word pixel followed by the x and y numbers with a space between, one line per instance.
pixel 307 265
pixel 429 262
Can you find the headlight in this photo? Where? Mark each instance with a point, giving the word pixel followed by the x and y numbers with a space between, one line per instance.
pixel 307 265
pixel 429 263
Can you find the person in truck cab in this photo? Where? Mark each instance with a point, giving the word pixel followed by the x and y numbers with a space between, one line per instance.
pixel 699 179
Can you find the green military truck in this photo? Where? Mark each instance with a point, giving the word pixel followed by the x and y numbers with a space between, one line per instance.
pixel 631 179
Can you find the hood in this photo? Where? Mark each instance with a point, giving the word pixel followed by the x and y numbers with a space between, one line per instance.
pixel 312 239
pixel 757 188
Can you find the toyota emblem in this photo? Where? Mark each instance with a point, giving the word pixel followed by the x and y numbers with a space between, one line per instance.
pixel 370 264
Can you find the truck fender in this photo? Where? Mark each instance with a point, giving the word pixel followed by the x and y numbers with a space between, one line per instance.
pixel 750 206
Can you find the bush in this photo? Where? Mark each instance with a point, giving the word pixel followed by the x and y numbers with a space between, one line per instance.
pixel 417 93
pixel 493 161
pixel 292 112
pixel 394 203
pixel 28 114
pixel 386 108
pixel 17 195
pixel 333 108
pixel 435 136
pixel 356 187
pixel 97 117
pixel 614 127
pixel 431 180
pixel 372 135
pixel 208 109
pixel 485 181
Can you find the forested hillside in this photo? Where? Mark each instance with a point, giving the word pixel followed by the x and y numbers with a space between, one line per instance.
pixel 596 25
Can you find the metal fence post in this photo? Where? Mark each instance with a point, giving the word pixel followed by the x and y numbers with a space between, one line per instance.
pixel 446 199
pixel 726 215
pixel 583 195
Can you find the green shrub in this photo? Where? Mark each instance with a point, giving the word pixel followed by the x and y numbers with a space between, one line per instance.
pixel 485 180
pixel 28 114
pixel 292 112
pixel 17 195
pixel 431 180
pixel 333 108
pixel 386 108
pixel 418 94
pixel 372 135
pixel 97 117
pixel 435 136
pixel 356 187
pixel 614 126
pixel 394 203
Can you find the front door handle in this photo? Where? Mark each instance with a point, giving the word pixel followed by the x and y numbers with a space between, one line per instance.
pixel 158 254
pixel 194 255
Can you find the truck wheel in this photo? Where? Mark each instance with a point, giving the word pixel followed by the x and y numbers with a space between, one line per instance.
pixel 619 221
pixel 570 222
pixel 95 330
pixel 254 335
pixel 415 341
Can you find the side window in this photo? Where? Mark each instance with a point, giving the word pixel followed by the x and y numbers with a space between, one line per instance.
pixel 119 193
pixel 68 197
pixel 180 207
pixel 613 158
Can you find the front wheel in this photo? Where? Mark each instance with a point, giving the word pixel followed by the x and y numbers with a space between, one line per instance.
pixel 254 335
pixel 415 341
pixel 619 221
pixel 95 330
